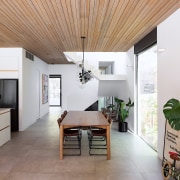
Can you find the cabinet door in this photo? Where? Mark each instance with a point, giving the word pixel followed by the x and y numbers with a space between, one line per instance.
pixel 4 120
pixel 4 136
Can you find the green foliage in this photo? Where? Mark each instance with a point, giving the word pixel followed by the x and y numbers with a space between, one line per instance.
pixel 111 107
pixel 171 112
pixel 124 108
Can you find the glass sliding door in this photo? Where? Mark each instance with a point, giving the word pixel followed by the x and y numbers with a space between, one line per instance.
pixel 55 90
pixel 147 96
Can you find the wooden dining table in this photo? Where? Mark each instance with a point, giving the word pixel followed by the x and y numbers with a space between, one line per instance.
pixel 85 119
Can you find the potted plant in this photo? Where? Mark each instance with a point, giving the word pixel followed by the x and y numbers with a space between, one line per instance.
pixel 123 113
pixel 110 107
pixel 112 111
pixel 171 112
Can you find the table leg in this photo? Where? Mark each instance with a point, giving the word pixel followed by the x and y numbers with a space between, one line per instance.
pixel 108 143
pixel 61 138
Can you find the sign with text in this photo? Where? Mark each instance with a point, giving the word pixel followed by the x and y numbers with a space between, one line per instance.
pixel 172 143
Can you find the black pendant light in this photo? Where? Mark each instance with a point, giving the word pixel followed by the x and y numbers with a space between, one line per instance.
pixel 84 76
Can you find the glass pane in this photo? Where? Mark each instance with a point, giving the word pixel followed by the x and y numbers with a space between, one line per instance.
pixel 54 91
pixel 147 96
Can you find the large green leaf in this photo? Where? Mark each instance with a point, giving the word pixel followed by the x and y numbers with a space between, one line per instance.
pixel 130 104
pixel 171 112
pixel 119 101
pixel 124 108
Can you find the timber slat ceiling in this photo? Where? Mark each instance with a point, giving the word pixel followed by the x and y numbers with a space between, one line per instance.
pixel 47 28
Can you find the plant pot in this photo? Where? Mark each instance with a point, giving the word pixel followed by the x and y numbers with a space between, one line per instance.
pixel 123 126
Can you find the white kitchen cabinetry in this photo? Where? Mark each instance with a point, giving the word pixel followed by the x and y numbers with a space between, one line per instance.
pixel 5 130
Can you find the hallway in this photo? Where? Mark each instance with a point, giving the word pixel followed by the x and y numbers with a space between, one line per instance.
pixel 34 155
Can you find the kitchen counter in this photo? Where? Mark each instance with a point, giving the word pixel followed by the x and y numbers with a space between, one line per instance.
pixel 4 110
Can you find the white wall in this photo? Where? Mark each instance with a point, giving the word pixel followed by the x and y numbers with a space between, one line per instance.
pixel 130 83
pixel 119 59
pixel 110 88
pixel 168 38
pixel 123 89
pixel 33 108
pixel 74 97
pixel 127 87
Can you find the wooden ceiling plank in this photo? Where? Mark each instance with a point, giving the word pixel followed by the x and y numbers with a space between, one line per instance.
pixel 74 18
pixel 163 7
pixel 66 6
pixel 120 25
pixel 130 22
pixel 54 30
pixel 49 38
pixel 8 22
pixel 113 15
pixel 29 28
pixel 91 25
pixel 65 26
pixel 48 27
pixel 130 25
pixel 60 24
pixel 48 23
pixel 87 26
pixel 116 16
pixel 75 7
pixel 92 19
pixel 26 30
pixel 75 22
pixel 111 10
pixel 99 11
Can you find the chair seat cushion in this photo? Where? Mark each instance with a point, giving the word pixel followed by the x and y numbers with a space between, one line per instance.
pixel 74 132
pixel 99 132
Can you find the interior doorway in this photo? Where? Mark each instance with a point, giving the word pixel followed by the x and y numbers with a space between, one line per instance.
pixel 55 92
pixel 147 96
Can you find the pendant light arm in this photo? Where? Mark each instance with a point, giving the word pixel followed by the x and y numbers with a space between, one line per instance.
pixel 83 38
pixel 85 76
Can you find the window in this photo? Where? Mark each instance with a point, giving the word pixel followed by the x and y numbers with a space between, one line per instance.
pixel 147 96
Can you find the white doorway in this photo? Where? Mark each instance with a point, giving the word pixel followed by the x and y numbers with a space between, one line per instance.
pixel 55 92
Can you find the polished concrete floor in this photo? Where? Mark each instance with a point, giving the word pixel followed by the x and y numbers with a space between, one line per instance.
pixel 34 155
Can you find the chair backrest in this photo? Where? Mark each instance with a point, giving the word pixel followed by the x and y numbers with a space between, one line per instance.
pixel 110 121
pixel 106 116
pixel 59 120
pixel 103 112
pixel 63 114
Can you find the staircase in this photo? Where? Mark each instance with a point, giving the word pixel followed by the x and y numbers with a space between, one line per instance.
pixel 73 57
pixel 93 107
pixel 108 84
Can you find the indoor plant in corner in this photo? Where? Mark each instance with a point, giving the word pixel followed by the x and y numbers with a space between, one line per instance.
pixel 123 113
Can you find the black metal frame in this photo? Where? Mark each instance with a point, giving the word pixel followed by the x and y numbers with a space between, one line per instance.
pixel 94 137
pixel 73 146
